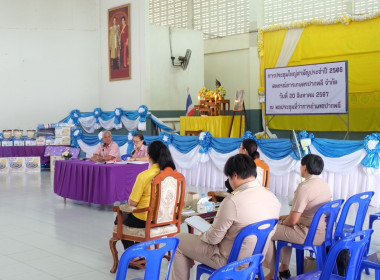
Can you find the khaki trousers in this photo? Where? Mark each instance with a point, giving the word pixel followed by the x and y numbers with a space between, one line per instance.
pixel 191 247
pixel 295 234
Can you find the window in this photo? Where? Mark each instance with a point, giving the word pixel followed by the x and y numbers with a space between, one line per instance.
pixel 216 18
pixel 168 13
pixel 283 11
pixel 366 6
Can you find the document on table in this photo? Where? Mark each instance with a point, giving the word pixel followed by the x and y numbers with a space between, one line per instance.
pixel 137 162
pixel 198 223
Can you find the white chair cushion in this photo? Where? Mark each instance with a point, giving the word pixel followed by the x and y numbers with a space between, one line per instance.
pixel 154 232
pixel 168 200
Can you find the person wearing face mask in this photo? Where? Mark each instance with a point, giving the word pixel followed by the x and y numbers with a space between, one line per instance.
pixel 107 151
pixel 140 152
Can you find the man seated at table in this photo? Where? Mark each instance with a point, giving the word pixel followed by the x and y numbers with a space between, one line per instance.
pixel 107 151
pixel 249 203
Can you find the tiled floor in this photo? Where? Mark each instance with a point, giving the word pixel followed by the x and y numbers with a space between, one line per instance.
pixel 43 238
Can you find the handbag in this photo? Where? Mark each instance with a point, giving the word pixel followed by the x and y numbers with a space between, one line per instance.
pixel 310 264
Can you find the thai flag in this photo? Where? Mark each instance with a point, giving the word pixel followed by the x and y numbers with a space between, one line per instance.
pixel 190 110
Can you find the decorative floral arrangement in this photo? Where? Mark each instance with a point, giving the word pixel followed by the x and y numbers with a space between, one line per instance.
pixel 207 94
pixel 220 92
pixel 67 154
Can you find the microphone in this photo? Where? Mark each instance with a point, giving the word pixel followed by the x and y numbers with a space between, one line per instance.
pixel 133 152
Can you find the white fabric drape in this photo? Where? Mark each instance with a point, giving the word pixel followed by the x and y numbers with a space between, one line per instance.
pixel 345 175
pixel 290 43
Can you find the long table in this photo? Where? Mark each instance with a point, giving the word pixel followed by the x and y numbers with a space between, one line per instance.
pixel 25 151
pixel 95 183
pixel 218 126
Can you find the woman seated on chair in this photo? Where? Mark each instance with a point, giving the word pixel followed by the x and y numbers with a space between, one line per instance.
pixel 140 152
pixel 249 147
pixel 309 196
pixel 159 158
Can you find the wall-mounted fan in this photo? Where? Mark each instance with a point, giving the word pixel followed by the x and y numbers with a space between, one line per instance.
pixel 183 61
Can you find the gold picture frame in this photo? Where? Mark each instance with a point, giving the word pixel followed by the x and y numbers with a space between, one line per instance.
pixel 239 100
pixel 119 43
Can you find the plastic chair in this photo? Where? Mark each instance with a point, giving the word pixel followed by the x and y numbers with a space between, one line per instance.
pixel 153 257
pixel 261 230
pixel 373 259
pixel 356 244
pixel 230 271
pixel 331 210
pixel 343 229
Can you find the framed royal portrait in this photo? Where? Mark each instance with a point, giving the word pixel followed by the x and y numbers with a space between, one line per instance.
pixel 239 101
pixel 119 43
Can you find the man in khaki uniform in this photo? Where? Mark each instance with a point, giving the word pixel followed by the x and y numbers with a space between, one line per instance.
pixel 249 203
pixel 309 196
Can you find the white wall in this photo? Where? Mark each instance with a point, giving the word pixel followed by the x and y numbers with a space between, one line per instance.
pixel 168 84
pixel 127 94
pixel 48 60
pixel 234 61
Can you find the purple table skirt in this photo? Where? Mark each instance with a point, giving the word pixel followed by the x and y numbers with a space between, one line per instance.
pixel 25 151
pixel 95 183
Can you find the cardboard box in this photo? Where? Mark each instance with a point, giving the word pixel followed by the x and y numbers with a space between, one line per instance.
pixel 16 164
pixel 30 142
pixel 53 159
pixel 18 142
pixel 41 140
pixel 32 164
pixel 62 131
pixel 64 140
pixel 4 165
pixel 7 143
pixel 50 140
pixel 191 199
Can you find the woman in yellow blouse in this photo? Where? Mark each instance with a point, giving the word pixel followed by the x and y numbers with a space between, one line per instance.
pixel 159 158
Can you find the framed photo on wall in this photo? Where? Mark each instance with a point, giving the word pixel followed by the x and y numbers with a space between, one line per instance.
pixel 119 43
pixel 239 100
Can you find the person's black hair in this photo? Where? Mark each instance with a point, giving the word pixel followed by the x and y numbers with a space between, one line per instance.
pixel 314 164
pixel 160 154
pixel 141 137
pixel 251 146
pixel 242 165
pixel 123 18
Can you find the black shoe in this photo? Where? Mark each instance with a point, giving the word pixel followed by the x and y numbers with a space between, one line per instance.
pixel 284 274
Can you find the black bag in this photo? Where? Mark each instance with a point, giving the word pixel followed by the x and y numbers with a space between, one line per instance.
pixel 342 262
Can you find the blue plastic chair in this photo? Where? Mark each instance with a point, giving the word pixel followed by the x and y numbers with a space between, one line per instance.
pixel 372 261
pixel 356 243
pixel 153 256
pixel 230 271
pixel 331 210
pixel 261 230
pixel 343 229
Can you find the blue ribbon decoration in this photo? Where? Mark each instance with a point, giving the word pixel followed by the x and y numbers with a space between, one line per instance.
pixel 304 134
pixel 74 115
pixel 372 157
pixel 166 138
pixel 143 112
pixel 76 135
pixel 131 146
pixel 97 114
pixel 118 113
pixel 249 135
pixel 205 139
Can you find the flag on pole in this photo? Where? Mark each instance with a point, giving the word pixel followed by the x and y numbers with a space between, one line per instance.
pixel 190 110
